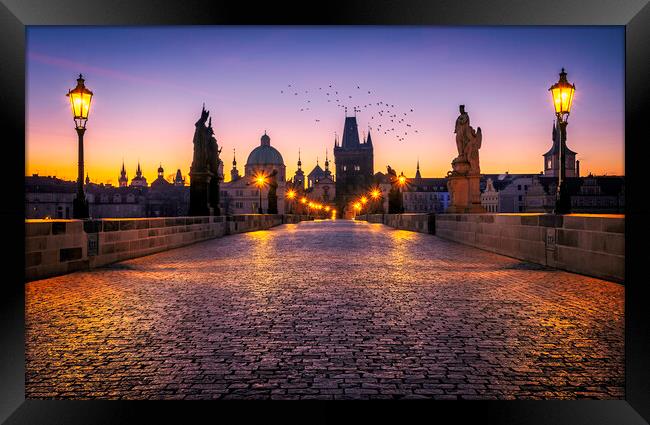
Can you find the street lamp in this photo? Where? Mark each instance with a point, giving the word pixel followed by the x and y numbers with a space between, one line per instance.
pixel 260 179
pixel 375 194
pixel 80 98
pixel 562 95
pixel 357 207
pixel 291 194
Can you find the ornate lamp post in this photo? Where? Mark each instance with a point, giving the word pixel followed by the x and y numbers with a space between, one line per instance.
pixel 562 94
pixel 260 180
pixel 80 98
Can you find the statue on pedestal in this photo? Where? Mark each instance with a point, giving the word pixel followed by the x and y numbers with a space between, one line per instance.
pixel 272 195
pixel 204 172
pixel 464 180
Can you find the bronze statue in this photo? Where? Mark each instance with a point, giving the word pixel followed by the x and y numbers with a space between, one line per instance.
pixel 200 141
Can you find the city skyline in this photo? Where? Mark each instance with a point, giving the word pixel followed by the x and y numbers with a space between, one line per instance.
pixel 500 74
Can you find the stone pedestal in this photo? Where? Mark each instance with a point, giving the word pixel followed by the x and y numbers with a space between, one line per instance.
pixel 464 189
pixel 200 194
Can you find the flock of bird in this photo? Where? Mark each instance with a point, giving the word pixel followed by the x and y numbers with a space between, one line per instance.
pixel 382 117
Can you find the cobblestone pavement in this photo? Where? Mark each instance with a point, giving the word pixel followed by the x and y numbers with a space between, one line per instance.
pixel 326 310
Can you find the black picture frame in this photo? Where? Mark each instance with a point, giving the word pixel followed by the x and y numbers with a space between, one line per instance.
pixel 15 15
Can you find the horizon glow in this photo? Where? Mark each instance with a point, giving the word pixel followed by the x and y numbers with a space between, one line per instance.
pixel 149 84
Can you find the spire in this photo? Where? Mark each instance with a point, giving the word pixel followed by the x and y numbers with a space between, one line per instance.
pixel 369 139
pixel 138 172
pixel 336 140
pixel 234 159
pixel 417 173
pixel 123 171
pixel 87 178
pixel 327 162
pixel 299 161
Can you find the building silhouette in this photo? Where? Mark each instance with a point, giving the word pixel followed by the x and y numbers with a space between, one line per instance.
pixel 552 159
pixel 354 165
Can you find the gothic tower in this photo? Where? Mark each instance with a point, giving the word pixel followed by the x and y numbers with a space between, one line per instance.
pixel 354 164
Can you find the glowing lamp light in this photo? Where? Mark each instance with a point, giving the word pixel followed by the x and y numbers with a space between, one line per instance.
pixel 364 200
pixel 327 208
pixel 357 206
pixel 80 98
pixel 375 193
pixel 303 200
pixel 401 179
pixel 291 194
pixel 562 94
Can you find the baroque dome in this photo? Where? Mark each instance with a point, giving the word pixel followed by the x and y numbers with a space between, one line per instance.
pixel 265 154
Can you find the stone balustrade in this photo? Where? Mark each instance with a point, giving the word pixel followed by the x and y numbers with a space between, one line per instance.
pixel 589 244
pixel 55 247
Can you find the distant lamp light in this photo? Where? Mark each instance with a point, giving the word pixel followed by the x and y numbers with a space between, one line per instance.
pixel 80 98
pixel 562 94
pixel 375 193
pixel 364 200
pixel 303 200
pixel 357 206
pixel 401 179
pixel 291 194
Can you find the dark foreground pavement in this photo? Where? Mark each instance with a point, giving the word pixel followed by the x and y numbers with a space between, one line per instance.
pixel 324 309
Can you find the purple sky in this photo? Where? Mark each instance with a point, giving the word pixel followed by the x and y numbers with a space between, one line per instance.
pixel 150 83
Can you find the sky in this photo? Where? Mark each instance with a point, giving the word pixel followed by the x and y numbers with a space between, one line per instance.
pixel 149 85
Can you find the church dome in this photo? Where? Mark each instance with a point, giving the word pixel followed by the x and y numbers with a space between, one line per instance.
pixel 265 154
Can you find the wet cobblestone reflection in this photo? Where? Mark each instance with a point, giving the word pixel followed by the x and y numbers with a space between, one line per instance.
pixel 327 310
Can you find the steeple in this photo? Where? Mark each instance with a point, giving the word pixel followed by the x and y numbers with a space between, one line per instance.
pixel 160 171
pixel 179 180
pixel 123 180
pixel 234 173
pixel 327 163
pixel 417 173
pixel 87 179
pixel 138 172
pixel 299 176
pixel 369 139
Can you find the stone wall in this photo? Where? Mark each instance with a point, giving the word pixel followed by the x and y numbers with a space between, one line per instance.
pixel 55 247
pixel 589 244
pixel 423 223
